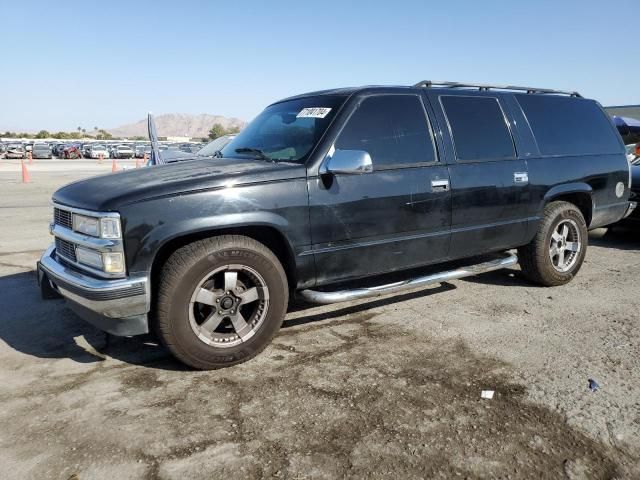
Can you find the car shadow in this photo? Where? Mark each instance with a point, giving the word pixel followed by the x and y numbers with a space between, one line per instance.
pixel 621 237
pixel 49 329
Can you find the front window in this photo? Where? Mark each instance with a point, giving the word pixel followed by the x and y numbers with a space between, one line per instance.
pixel 286 131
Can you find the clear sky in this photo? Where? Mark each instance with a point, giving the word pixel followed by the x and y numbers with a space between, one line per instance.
pixel 83 63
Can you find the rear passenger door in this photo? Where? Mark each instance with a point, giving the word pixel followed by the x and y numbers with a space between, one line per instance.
pixel 489 183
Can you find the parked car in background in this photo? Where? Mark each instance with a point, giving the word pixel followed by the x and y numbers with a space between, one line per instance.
pixel 97 150
pixel 56 149
pixel 141 150
pixel 15 150
pixel 41 150
pixel 72 152
pixel 633 151
pixel 86 150
pixel 122 151
pixel 210 149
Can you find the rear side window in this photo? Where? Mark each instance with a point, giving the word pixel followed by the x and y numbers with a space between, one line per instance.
pixel 569 126
pixel 393 129
pixel 478 127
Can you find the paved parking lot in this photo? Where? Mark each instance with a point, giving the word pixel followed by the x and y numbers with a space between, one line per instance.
pixel 379 388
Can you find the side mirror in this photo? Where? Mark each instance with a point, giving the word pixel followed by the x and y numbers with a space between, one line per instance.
pixel 347 162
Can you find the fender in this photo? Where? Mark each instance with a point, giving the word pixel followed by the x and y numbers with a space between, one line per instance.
pixel 567 189
pixel 280 214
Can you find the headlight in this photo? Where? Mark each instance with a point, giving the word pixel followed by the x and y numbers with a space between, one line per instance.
pixel 109 262
pixel 86 225
pixel 105 227
pixel 89 257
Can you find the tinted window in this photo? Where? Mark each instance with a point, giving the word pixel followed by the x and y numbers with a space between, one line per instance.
pixel 478 127
pixel 393 129
pixel 569 126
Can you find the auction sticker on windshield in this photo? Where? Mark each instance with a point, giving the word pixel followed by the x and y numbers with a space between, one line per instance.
pixel 314 112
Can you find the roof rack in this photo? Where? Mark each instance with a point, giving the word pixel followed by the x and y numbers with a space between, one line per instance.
pixel 481 87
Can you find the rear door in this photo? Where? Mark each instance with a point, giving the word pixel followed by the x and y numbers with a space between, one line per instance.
pixel 489 182
pixel 396 216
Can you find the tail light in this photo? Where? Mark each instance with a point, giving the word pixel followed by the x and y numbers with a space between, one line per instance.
pixel 637 149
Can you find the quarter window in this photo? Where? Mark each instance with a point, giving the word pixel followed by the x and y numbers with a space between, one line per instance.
pixel 569 126
pixel 393 129
pixel 478 127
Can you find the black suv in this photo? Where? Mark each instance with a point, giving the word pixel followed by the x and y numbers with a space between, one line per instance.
pixel 326 191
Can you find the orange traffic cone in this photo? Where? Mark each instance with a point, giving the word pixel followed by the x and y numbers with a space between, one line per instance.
pixel 100 157
pixel 114 165
pixel 26 178
pixel 30 158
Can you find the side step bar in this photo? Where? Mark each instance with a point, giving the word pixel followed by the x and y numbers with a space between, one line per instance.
pixel 325 298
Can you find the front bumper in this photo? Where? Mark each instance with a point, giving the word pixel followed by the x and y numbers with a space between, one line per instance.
pixel 117 306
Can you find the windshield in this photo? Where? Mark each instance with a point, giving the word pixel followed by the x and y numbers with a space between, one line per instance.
pixel 212 147
pixel 98 147
pixel 286 131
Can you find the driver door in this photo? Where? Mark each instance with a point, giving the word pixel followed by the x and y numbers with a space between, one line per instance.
pixel 394 217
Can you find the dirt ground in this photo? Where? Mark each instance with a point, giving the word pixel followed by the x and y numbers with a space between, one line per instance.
pixel 385 388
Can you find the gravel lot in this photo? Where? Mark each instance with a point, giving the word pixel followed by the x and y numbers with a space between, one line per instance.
pixel 382 388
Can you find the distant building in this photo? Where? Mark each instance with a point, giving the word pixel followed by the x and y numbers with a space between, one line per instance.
pixel 632 111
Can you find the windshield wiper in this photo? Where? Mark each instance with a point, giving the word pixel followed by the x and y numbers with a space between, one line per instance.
pixel 256 151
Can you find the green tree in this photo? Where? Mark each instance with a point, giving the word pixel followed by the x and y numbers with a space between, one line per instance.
pixel 103 135
pixel 42 134
pixel 217 131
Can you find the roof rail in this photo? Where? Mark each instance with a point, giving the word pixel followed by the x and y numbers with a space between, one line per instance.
pixel 480 86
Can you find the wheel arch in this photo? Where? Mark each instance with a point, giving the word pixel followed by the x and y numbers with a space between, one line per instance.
pixel 578 194
pixel 268 235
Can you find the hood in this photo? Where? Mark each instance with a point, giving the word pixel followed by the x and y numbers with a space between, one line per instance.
pixel 109 192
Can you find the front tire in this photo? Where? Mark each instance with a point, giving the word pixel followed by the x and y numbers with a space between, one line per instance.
pixel 220 301
pixel 557 252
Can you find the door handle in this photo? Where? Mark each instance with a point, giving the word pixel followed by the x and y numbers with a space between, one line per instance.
pixel 521 177
pixel 439 185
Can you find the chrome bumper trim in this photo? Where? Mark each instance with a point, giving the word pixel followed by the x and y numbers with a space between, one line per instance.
pixel 630 209
pixel 113 298
pixel 324 298
pixel 99 244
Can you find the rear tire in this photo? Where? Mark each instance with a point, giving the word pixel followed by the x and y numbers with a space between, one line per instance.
pixel 557 252
pixel 220 301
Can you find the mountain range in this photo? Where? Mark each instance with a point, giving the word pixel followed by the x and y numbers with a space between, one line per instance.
pixel 178 125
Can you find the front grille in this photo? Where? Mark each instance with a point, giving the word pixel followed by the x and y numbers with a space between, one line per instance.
pixel 66 249
pixel 63 218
